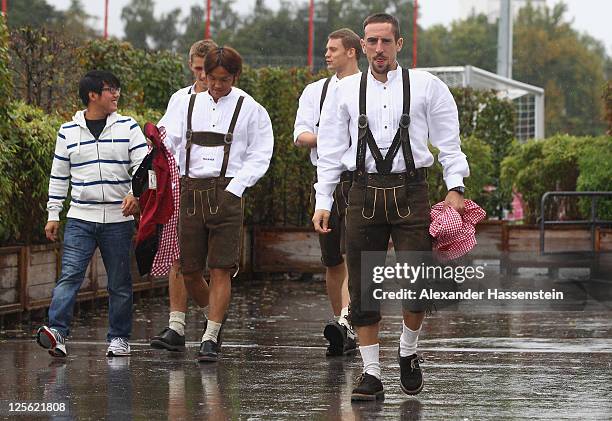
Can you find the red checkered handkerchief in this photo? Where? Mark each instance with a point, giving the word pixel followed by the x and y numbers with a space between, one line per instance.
pixel 453 234
pixel 168 250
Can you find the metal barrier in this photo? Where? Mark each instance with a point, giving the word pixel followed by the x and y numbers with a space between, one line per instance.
pixel 593 222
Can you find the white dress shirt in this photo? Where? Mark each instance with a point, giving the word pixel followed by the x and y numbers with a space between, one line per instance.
pixel 252 144
pixel 309 111
pixel 433 115
pixel 173 112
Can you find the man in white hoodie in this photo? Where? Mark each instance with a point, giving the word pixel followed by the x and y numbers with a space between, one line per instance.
pixel 94 155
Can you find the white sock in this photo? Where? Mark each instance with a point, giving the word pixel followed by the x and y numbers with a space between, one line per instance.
pixel 371 361
pixel 177 322
pixel 408 341
pixel 212 330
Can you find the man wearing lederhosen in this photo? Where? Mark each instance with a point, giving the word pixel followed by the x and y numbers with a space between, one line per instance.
pixel 172 337
pixel 227 140
pixel 342 56
pixel 390 111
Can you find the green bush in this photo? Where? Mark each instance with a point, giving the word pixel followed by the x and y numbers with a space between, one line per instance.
pixel 27 156
pixel 481 174
pixel 483 115
pixel 148 78
pixel 595 164
pixel 281 197
pixel 555 164
pixel 6 87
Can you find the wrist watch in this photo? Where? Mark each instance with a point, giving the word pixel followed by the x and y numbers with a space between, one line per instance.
pixel 458 189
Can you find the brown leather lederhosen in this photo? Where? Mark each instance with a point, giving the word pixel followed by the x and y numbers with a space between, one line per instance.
pixel 210 218
pixel 383 205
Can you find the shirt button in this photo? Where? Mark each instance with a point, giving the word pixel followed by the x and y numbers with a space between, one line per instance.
pixel 384 87
pixel 213 125
pixel 384 106
pixel 385 127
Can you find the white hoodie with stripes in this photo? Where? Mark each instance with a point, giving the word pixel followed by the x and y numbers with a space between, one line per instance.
pixel 97 171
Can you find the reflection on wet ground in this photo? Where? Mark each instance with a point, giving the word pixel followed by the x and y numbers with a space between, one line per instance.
pixel 480 364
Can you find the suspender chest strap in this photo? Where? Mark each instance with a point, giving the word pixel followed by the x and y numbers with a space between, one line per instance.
pixel 401 138
pixel 210 139
pixel 323 95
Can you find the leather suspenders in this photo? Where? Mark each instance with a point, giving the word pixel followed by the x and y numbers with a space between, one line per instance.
pixel 402 136
pixel 323 95
pixel 210 139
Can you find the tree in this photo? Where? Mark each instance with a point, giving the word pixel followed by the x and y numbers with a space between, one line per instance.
pixel 75 21
pixel 140 23
pixel 35 13
pixel 165 33
pixel 570 67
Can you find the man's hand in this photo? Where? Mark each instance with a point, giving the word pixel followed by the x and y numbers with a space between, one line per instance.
pixel 456 201
pixel 52 230
pixel 129 205
pixel 320 220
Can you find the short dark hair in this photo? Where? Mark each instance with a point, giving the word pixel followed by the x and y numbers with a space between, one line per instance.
pixel 349 40
pixel 384 18
pixel 201 48
pixel 226 57
pixel 94 81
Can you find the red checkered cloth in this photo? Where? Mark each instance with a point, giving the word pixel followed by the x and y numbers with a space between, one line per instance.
pixel 454 235
pixel 168 250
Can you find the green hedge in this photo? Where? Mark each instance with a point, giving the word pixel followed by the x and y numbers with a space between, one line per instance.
pixel 148 78
pixel 560 163
pixel 27 154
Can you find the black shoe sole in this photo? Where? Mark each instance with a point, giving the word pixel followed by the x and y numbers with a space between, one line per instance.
pixel 363 397
pixel 207 358
pixel 159 344
pixel 412 392
pixel 336 340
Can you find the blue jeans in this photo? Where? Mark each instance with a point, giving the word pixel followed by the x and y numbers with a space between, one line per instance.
pixel 80 241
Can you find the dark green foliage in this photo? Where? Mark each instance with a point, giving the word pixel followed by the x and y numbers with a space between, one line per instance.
pixel 486 117
pixel 481 164
pixel 281 197
pixel 25 163
pixel 555 164
pixel 147 78
pixel 45 68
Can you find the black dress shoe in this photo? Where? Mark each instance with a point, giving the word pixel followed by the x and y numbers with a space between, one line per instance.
pixel 411 375
pixel 209 351
pixel 369 388
pixel 341 339
pixel 170 340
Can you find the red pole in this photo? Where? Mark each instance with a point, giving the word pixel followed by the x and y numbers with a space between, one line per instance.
pixel 207 30
pixel 105 19
pixel 4 8
pixel 310 34
pixel 415 14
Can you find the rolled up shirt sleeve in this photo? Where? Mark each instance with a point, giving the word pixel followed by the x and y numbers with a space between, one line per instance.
pixel 443 122
pixel 260 145
pixel 333 142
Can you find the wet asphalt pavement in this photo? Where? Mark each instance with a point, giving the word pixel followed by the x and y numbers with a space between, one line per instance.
pixel 481 362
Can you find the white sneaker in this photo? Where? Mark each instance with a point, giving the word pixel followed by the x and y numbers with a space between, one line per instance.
pixel 51 340
pixel 119 347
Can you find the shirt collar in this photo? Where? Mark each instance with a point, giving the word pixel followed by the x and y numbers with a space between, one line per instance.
pixel 391 74
pixel 231 94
